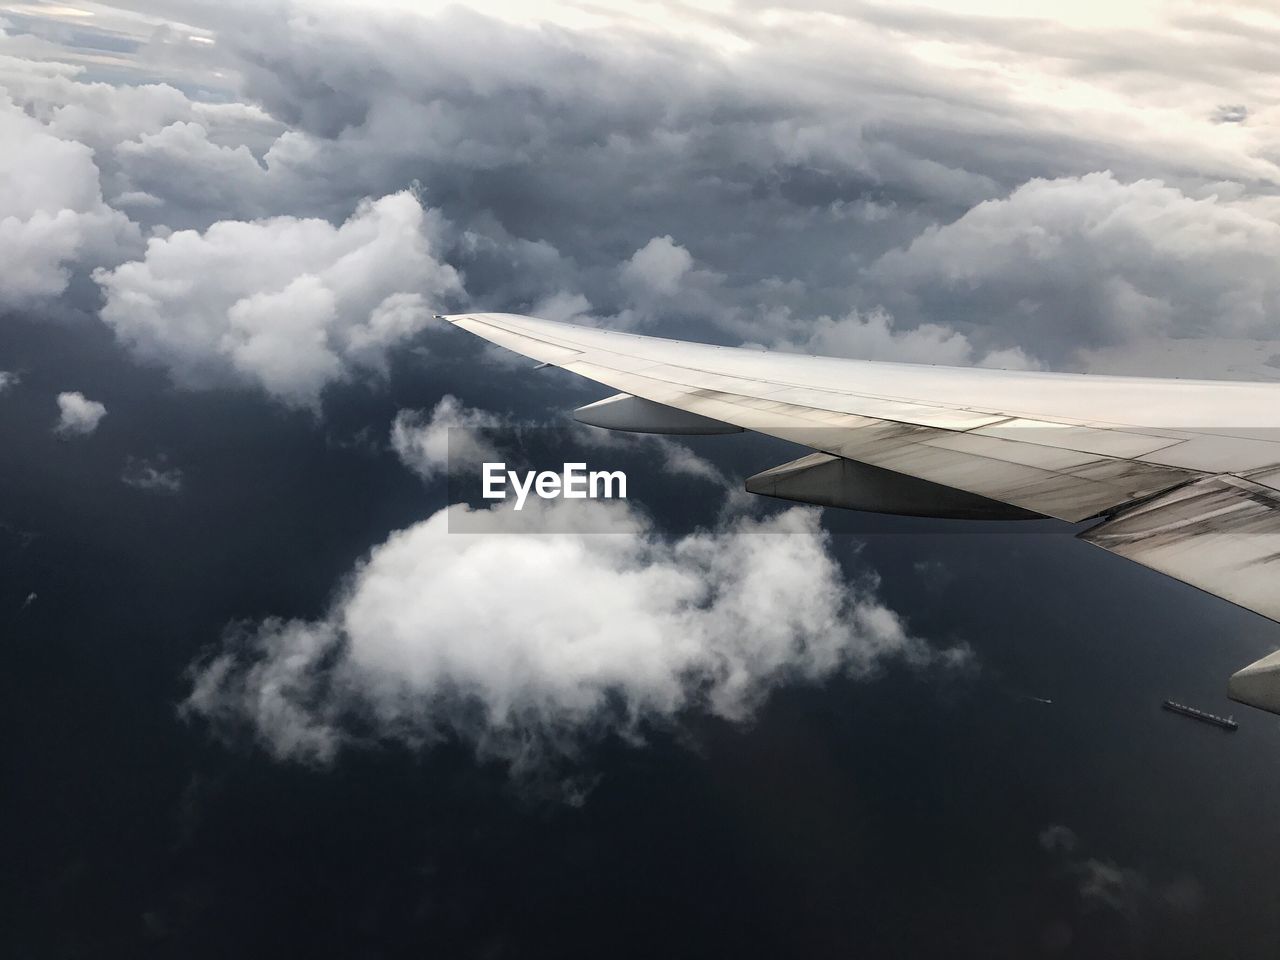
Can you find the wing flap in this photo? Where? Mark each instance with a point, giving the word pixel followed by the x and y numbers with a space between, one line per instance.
pixel 1221 534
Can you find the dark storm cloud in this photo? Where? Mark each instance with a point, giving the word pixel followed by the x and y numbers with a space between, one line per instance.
pixel 578 141
pixel 784 172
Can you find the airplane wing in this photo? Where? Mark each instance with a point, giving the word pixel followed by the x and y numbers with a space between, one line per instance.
pixel 1184 475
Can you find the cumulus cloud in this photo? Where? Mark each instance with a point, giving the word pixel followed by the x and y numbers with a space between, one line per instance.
pixel 286 304
pixel 1092 262
pixel 52 215
pixel 169 158
pixel 8 380
pixel 597 631
pixel 564 307
pixel 103 115
pixel 218 181
pixel 451 434
pixel 662 281
pixel 658 267
pixel 78 416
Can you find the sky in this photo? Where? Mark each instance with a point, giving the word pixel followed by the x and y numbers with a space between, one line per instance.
pixel 277 681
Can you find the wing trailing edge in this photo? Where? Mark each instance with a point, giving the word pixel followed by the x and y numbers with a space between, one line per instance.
pixel 1221 534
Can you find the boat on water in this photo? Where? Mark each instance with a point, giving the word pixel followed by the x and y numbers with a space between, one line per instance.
pixel 1225 723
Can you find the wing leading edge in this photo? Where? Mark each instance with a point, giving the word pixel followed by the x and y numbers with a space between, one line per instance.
pixel 1180 493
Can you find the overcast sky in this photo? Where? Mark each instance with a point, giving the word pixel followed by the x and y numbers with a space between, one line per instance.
pixel 928 183
pixel 225 229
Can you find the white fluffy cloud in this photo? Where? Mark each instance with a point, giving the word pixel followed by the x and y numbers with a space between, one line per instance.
pixel 288 304
pixel 164 156
pixel 662 280
pixel 78 416
pixel 52 215
pixel 518 640
pixel 218 180
pixel 100 115
pixel 658 267
pixel 450 434
pixel 872 337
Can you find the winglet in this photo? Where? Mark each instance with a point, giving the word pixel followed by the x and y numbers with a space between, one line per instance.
pixel 1258 684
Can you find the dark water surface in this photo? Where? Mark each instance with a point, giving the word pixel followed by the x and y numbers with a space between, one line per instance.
pixel 900 816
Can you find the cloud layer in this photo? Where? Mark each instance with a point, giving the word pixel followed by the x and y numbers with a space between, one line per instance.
pixel 899 184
